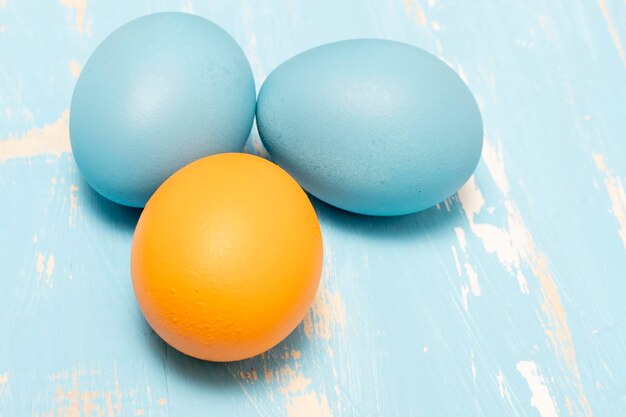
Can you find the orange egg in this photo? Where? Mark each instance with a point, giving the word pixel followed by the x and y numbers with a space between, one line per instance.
pixel 226 258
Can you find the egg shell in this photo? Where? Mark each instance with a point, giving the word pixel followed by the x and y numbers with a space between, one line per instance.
pixel 371 126
pixel 226 257
pixel 159 92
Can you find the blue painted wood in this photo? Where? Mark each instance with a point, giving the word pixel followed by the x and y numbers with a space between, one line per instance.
pixel 506 300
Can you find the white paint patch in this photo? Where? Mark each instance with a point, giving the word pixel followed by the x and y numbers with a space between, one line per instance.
pixel 464 293
pixel 473 279
pixel 52 139
pixel 473 365
pixel 460 235
pixel 500 379
pixel 508 245
pixel 3 4
pixel 504 392
pixel 495 164
pixel 523 283
pixel 540 399
pixel 514 247
pixel 615 190
pixel 456 260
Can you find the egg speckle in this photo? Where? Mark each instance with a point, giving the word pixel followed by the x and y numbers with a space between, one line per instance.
pixel 158 93
pixel 371 126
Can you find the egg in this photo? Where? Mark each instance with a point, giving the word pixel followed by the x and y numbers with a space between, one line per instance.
pixel 371 126
pixel 158 93
pixel 226 257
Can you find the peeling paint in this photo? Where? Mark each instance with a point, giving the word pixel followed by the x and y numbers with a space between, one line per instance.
pixel 514 247
pixel 4 380
pixel 75 68
pixel 473 279
pixel 460 235
pixel 615 190
pixel 414 10
pixel 79 7
pixel 326 312
pixel 49 270
pixel 73 204
pixel 540 399
pixel 617 43
pixel 72 396
pixel 309 405
pixel 52 139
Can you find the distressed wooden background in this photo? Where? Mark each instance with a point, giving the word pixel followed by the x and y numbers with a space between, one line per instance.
pixel 505 300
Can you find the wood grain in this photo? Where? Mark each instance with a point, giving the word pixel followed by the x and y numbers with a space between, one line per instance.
pixel 505 300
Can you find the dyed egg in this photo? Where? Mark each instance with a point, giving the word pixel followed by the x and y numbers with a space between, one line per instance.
pixel 158 93
pixel 371 126
pixel 226 257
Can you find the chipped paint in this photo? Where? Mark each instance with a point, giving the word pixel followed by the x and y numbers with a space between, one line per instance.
pixel 75 68
pixel 52 140
pixel 514 247
pixel 73 395
pixel 326 312
pixel 473 279
pixel 40 262
pixel 615 37
pixel 309 405
pixel 460 236
pixel 79 7
pixel 49 270
pixel 464 297
pixel 45 267
pixel 73 204
pixel 541 398
pixel 457 263
pixel 416 12
pixel 492 156
pixel 295 383
pixel 399 289
pixel 615 190
pixel 502 389
pixel 4 380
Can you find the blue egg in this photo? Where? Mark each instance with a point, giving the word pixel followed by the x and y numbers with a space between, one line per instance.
pixel 158 93
pixel 371 126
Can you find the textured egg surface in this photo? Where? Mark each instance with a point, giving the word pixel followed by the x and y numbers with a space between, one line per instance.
pixel 226 258
pixel 158 93
pixel 371 126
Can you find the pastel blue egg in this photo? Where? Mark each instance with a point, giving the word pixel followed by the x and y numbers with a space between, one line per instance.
pixel 371 126
pixel 158 93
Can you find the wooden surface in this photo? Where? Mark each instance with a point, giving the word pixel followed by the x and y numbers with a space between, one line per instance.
pixel 506 300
